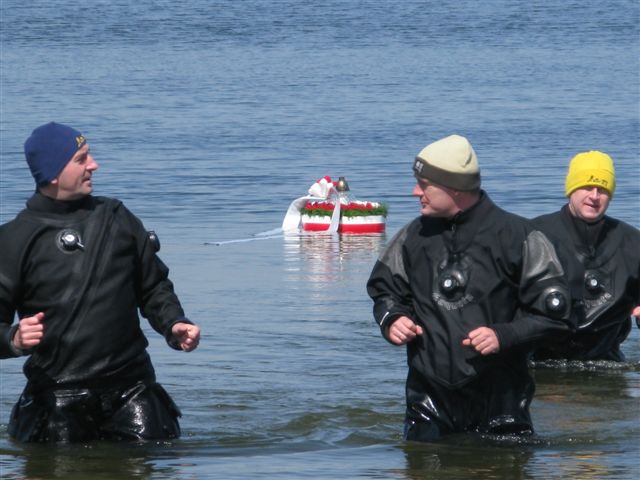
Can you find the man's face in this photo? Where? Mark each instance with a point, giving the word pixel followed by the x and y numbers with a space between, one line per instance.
pixel 435 200
pixel 74 181
pixel 589 203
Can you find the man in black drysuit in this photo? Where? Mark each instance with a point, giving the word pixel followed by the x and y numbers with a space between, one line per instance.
pixel 468 288
pixel 602 261
pixel 76 268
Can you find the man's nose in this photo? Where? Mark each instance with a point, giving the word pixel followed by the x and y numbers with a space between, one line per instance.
pixel 92 164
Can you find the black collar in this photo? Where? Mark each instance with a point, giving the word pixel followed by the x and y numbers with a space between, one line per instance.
pixel 586 236
pixel 41 203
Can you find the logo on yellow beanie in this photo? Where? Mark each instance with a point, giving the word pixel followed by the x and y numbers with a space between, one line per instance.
pixel 591 169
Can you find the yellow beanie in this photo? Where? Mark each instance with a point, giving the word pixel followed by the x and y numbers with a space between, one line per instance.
pixel 591 169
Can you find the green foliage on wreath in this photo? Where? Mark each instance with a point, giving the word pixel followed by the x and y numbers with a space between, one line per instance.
pixel 322 211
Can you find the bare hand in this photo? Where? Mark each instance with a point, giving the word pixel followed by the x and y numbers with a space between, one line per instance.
pixel 187 335
pixel 636 312
pixel 484 340
pixel 403 330
pixel 30 331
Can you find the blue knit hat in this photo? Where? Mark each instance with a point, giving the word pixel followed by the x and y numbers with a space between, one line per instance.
pixel 49 149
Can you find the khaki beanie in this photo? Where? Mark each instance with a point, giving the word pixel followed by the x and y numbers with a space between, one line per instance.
pixel 450 162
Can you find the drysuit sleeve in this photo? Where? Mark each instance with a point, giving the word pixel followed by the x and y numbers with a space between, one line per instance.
pixel 544 296
pixel 9 276
pixel 7 313
pixel 631 252
pixel 388 284
pixel 157 300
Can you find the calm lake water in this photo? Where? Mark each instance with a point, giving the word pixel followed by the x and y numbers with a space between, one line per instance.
pixel 208 117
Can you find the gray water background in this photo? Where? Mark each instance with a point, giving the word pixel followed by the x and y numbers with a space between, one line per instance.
pixel 207 118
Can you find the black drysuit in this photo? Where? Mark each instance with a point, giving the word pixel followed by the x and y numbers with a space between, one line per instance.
pixel 602 260
pixel 89 265
pixel 484 267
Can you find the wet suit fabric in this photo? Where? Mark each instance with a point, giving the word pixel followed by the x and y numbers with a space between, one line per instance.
pixel 603 263
pixel 90 294
pixel 140 411
pixel 505 271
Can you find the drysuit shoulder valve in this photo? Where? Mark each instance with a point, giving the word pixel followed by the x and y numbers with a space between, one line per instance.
pixel 592 283
pixel 155 241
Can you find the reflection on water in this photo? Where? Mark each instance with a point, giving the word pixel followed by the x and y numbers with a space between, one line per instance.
pixel 587 464
pixel 582 365
pixel 329 247
pixel 587 388
pixel 97 460
pixel 456 458
pixel 331 269
pixel 324 256
pixel 587 410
